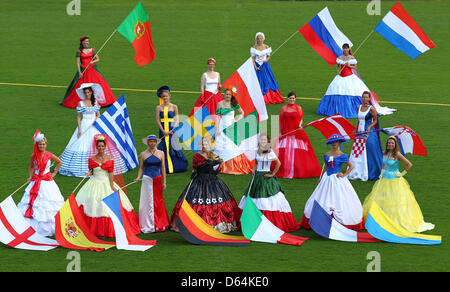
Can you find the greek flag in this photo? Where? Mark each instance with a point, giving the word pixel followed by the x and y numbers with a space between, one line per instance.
pixel 115 123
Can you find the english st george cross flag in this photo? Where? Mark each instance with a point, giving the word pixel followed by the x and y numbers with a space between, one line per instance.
pixel 17 233
pixel 115 122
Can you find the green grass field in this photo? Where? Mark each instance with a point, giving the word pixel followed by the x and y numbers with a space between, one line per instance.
pixel 38 44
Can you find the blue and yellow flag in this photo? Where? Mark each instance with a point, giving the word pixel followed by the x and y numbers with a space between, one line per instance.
pixel 194 128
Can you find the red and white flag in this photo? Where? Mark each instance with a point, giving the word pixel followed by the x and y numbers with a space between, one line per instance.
pixel 335 124
pixel 17 233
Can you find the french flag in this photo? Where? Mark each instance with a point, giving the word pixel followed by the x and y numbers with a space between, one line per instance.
pixel 324 36
pixel 325 225
pixel 400 29
pixel 125 239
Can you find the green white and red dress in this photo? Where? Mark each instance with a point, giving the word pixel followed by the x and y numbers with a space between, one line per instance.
pixel 268 195
pixel 90 75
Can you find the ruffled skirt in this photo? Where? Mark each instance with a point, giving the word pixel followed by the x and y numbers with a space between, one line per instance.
pixel 269 197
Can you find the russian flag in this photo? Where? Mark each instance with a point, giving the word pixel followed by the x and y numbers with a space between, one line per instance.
pixel 400 29
pixel 125 239
pixel 324 36
pixel 325 225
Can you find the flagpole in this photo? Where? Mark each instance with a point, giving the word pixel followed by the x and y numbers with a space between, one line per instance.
pixel 292 35
pixel 78 184
pixel 367 37
pixel 19 188
pixel 107 40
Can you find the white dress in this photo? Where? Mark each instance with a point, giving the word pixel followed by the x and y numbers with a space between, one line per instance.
pixel 336 196
pixel 75 156
pixel 212 84
pixel 48 202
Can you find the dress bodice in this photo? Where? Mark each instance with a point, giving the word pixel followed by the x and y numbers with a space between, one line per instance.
pixel 212 84
pixel 85 59
pixel 227 116
pixel 364 119
pixel 88 112
pixel 345 70
pixel 152 166
pixel 334 163
pixel 203 165
pixel 391 166
pixel 46 170
pixel 290 117
pixel 167 118
pixel 100 170
pixel 265 160
pixel 260 56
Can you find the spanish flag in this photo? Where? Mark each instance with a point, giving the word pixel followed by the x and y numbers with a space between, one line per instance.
pixel 72 232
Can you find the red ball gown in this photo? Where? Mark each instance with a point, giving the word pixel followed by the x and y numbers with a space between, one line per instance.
pixel 295 151
pixel 90 75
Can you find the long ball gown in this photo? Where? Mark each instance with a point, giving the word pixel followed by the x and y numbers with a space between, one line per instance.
pixel 267 82
pixel 91 194
pixel 235 162
pixel 336 196
pixel 295 151
pixel 394 196
pixel 343 95
pixel 174 158
pixel 153 215
pixel 367 154
pixel 90 75
pixel 268 195
pixel 42 198
pixel 209 197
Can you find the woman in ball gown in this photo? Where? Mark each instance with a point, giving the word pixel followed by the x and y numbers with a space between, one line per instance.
pixel 207 194
pixel 210 86
pixel 153 215
pixel 167 120
pixel 367 164
pixel 294 149
pixel 265 190
pixel 260 53
pixel 42 198
pixel 393 194
pixel 235 163
pixel 102 164
pixel 87 72
pixel 334 193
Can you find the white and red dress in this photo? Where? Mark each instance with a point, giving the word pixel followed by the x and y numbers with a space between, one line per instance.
pixel 42 198
pixel 210 97
pixel 294 149
pixel 91 194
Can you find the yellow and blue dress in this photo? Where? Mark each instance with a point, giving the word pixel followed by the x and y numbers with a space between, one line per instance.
pixel 395 198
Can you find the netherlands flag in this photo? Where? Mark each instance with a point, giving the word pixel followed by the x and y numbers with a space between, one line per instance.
pixel 124 238
pixel 400 29
pixel 324 36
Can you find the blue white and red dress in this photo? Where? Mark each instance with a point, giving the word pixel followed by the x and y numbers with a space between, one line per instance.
pixel 153 215
pixel 267 82
pixel 367 154
pixel 336 196
pixel 343 95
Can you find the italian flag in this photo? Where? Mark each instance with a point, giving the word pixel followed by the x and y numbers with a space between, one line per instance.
pixel 256 227
pixel 136 29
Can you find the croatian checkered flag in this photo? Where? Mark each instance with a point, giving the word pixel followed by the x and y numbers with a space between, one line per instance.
pixel 115 123
pixel 408 140
pixel 358 157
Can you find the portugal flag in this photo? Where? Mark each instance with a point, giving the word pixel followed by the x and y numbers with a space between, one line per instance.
pixel 136 29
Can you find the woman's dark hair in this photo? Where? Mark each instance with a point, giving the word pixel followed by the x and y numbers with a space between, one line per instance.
pixel 292 93
pixel 100 141
pixel 81 42
pixel 92 95
pixel 347 46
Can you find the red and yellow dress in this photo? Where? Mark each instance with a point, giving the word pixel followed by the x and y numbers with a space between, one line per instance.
pixel 90 196
pixel 91 75
pixel 294 149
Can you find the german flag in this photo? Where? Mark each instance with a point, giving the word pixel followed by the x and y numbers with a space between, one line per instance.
pixel 195 230
pixel 72 232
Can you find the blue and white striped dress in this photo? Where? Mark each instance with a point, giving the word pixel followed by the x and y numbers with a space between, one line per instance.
pixel 75 156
